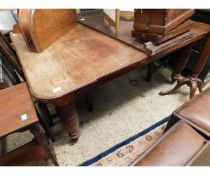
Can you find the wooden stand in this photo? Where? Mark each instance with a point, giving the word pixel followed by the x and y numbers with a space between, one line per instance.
pixel 193 81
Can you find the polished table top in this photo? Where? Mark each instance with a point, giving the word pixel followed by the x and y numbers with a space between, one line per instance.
pixel 95 20
pixel 79 58
pixel 84 56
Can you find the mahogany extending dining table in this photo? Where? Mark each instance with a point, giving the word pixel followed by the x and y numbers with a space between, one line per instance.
pixel 80 59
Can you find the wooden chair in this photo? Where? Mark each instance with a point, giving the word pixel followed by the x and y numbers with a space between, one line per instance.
pixel 17 114
pixel 11 65
pixel 9 78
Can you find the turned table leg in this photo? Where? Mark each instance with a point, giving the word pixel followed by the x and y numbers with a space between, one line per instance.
pixel 66 109
pixel 193 81
pixel 150 70
pixel 182 62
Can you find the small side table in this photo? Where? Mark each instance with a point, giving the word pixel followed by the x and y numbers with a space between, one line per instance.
pixel 193 81
pixel 17 114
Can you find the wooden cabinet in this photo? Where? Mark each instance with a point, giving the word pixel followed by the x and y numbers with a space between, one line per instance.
pixel 160 21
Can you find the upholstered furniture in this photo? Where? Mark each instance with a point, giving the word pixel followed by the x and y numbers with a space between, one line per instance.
pixel 179 146
pixel 186 136
pixel 196 112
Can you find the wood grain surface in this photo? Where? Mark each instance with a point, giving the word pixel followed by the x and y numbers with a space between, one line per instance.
pixel 26 155
pixel 158 39
pixel 42 27
pixel 79 58
pixel 95 21
pixel 160 21
pixel 14 102
pixel 199 30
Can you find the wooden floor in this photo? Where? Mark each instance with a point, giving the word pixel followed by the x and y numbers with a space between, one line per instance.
pixel 77 59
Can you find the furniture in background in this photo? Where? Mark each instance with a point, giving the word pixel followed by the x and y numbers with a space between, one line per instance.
pixel 193 80
pixel 183 42
pixel 179 146
pixel 195 112
pixel 12 74
pixel 160 20
pixel 10 55
pixel 186 136
pixel 126 14
pixel 201 15
pixel 160 38
pixel 17 115
pixel 112 17
pixel 160 25
pixel 205 70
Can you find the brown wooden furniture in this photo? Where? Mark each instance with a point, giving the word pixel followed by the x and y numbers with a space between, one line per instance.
pixel 186 137
pixel 77 49
pixel 159 21
pixel 160 25
pixel 18 114
pixel 8 52
pixel 127 15
pixel 158 39
pixel 198 31
pixel 75 61
pixel 195 112
pixel 84 57
pixel 12 74
pixel 193 81
pixel 201 15
pixel 41 28
pixel 112 17
pixel 181 145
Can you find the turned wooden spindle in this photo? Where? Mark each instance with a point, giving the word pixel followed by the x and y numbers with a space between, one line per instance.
pixel 67 113
pixel 193 81
pixel 203 57
pixel 183 59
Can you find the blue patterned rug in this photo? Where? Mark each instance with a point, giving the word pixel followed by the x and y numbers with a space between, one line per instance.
pixel 125 152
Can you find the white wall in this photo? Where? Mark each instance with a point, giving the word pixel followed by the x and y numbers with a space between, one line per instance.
pixel 6 20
